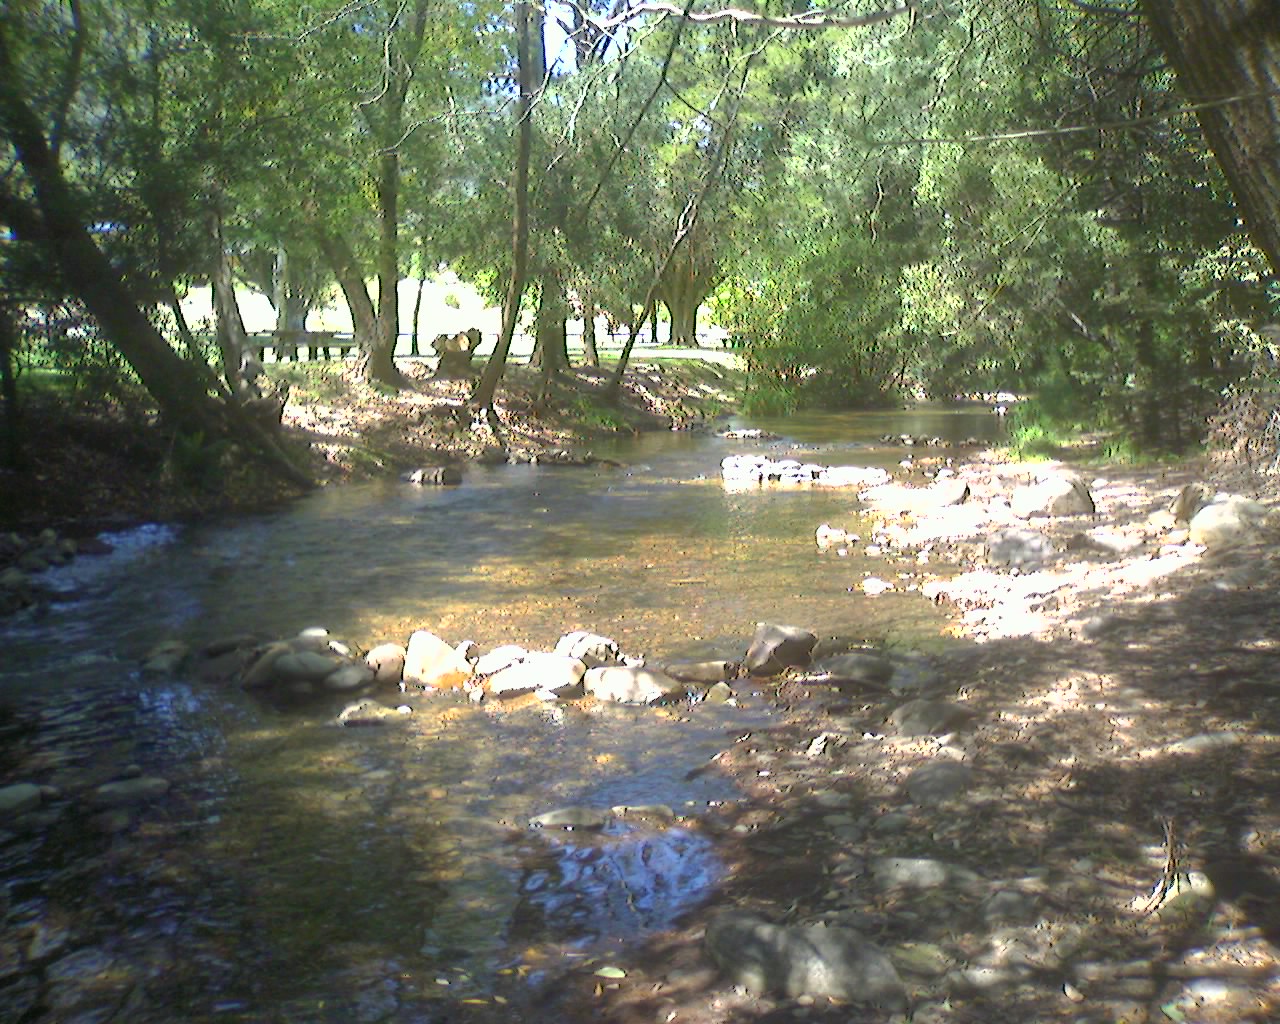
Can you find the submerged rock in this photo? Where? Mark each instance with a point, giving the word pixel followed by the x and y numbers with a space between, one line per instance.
pixel 775 648
pixel 631 685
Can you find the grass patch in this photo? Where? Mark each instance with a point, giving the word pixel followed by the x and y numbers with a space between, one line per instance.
pixel 592 414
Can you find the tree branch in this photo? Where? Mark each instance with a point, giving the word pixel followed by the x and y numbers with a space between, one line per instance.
pixel 819 20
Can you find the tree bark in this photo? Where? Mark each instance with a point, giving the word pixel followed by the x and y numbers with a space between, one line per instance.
pixel 377 358
pixel 1227 53
pixel 482 398
pixel 550 340
pixel 170 380
pixel 590 352
pixel 415 337
pixel 233 342
pixel 9 390
pixel 364 318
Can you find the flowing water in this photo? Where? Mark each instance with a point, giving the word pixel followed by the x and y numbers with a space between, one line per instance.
pixel 298 870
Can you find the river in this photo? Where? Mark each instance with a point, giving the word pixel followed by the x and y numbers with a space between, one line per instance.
pixel 300 871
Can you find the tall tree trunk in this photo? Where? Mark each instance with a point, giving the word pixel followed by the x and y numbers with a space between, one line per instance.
pixel 9 390
pixel 364 319
pixel 415 336
pixel 377 358
pixel 1229 51
pixel 550 340
pixel 590 352
pixel 683 311
pixel 233 342
pixel 482 398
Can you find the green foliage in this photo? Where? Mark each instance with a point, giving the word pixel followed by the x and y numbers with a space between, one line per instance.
pixel 197 462
pixel 593 414
pixel 1034 433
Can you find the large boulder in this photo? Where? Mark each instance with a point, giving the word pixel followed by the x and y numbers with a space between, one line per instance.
pixel 632 685
pixel 553 673
pixel 1227 521
pixel 1062 494
pixel 775 648
pixel 1019 548
pixel 387 663
pixel 429 661
pixel 795 961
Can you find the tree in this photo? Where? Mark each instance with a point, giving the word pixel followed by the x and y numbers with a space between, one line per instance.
pixel 1227 56
pixel 47 211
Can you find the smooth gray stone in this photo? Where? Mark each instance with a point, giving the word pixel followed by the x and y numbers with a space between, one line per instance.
pixel 130 791
pixel 803 961
pixel 19 798
pixel 939 781
pixel 571 817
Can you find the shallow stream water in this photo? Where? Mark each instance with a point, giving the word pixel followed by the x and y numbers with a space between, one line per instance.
pixel 301 871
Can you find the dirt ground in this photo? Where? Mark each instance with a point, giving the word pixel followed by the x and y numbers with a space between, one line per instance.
pixel 1123 743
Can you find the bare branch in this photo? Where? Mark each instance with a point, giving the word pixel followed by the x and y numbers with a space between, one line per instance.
pixel 819 20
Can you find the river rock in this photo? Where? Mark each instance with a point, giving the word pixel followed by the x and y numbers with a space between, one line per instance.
pixel 921 873
pixel 795 961
pixel 589 648
pixel 351 676
pixel 260 672
pixel 939 781
pixel 929 717
pixel 557 674
pixel 701 671
pixel 1019 548
pixel 499 658
pixel 429 661
pixel 866 667
pixel 305 666
pixel 718 693
pixel 165 659
pixel 775 648
pixel 440 476
pixel 631 685
pixel 130 791
pixel 368 713
pixel 18 799
pixel 828 536
pixel 387 664
pixel 571 817
pixel 1062 494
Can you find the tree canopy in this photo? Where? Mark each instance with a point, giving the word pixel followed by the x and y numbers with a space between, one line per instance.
pixel 877 200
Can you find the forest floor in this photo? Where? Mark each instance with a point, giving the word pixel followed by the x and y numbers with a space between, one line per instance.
pixel 1106 762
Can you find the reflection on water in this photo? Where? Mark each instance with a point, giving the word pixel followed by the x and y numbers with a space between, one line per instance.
pixel 299 848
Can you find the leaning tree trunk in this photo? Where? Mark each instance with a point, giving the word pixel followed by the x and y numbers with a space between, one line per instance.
pixel 364 319
pixel 1227 53
pixel 180 388
pixel 233 341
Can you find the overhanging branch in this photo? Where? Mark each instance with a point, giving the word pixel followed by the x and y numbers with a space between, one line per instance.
pixel 819 20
